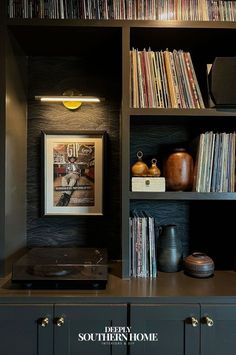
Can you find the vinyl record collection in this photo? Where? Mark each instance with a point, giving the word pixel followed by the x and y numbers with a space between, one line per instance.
pixel 183 10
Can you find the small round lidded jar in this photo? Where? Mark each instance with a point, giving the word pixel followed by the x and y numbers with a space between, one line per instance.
pixel 199 265
pixel 178 170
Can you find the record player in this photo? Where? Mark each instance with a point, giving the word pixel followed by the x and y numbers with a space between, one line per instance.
pixel 60 268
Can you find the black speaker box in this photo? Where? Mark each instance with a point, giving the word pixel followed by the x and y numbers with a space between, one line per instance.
pixel 222 81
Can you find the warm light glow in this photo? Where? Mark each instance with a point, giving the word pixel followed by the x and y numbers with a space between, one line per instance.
pixel 67 98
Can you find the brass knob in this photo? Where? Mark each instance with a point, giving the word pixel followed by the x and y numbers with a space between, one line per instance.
pixel 60 321
pixel 208 321
pixel 194 321
pixel 43 322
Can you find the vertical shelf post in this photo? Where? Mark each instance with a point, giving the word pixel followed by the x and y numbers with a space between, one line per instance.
pixel 125 148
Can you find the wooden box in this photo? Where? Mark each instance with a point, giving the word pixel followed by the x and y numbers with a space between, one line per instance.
pixel 148 184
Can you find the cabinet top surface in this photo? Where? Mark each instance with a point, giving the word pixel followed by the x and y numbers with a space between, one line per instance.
pixel 168 287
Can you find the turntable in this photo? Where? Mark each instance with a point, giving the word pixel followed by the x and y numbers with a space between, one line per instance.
pixel 60 268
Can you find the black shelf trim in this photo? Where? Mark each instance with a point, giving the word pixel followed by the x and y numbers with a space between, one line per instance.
pixel 211 112
pixel 173 195
pixel 122 23
pixel 64 23
pixel 182 24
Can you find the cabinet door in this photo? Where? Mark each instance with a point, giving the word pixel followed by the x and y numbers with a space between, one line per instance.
pixel 78 328
pixel 176 325
pixel 218 329
pixel 26 329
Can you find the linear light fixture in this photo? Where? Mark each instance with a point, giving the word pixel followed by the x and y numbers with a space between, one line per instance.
pixel 67 98
pixel 70 99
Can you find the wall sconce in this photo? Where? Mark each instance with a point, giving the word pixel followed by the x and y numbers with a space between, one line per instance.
pixel 70 100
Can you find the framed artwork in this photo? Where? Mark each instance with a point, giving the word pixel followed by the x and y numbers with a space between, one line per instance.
pixel 73 172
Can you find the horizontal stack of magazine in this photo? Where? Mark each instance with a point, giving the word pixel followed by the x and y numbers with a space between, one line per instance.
pixel 186 10
pixel 143 239
pixel 163 79
pixel 215 165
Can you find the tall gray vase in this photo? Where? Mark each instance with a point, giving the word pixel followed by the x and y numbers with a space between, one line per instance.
pixel 169 249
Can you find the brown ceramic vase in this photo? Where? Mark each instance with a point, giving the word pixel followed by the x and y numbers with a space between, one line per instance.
pixel 178 170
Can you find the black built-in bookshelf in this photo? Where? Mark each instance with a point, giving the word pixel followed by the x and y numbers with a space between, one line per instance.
pixel 37 47
pixel 202 219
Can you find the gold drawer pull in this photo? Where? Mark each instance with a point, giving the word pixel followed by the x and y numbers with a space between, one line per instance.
pixel 194 321
pixel 60 322
pixel 43 322
pixel 208 321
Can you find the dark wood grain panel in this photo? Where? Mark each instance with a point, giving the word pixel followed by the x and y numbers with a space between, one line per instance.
pixel 52 75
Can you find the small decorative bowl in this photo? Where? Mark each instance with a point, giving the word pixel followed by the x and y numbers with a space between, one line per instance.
pixel 199 265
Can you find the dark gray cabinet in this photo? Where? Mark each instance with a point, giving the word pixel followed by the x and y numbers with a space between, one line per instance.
pixel 218 329
pixel 179 329
pixel 26 329
pixel 77 334
pixel 54 330
pixel 178 334
pixel 192 329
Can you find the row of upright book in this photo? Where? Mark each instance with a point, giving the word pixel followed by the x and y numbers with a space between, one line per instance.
pixel 184 10
pixel 215 164
pixel 142 236
pixel 163 79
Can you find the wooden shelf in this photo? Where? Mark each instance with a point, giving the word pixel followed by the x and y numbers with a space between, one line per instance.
pixel 173 195
pixel 64 22
pixel 209 112
pixel 182 24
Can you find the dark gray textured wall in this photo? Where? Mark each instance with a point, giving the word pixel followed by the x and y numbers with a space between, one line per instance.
pixel 100 77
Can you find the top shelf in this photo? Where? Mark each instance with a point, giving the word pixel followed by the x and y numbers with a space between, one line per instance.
pixel 121 23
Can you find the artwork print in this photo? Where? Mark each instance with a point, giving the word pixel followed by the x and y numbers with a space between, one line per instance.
pixel 73 173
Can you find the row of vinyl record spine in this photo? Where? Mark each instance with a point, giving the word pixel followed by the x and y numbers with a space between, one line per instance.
pixel 183 10
pixel 142 236
pixel 215 164
pixel 163 79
